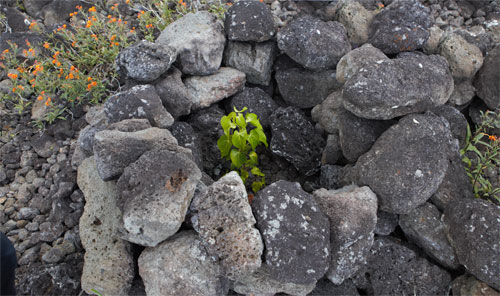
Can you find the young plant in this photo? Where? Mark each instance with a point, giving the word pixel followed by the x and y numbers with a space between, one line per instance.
pixel 238 145
pixel 481 153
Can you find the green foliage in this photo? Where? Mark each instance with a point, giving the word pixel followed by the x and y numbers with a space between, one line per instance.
pixel 238 144
pixel 481 154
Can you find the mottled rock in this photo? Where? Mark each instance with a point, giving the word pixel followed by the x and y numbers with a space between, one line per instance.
pixel 154 195
pixel 50 231
pixel 181 266
pixel 257 101
pixel 473 229
pixel 332 152
pixel 140 101
pixel 356 20
pixel 386 223
pixel 356 59
pixel 174 94
pixel 432 44
pixel 463 93
pixel 224 220
pixel 295 138
pixel 465 285
pixel 401 26
pixel 49 279
pixel 249 21
pixel 458 122
pixel 295 232
pixel 325 287
pixel 129 125
pixel 407 163
pixel 44 145
pixel 199 41
pixel 314 44
pixel 391 88
pixel 326 113
pixel 104 250
pixel 206 90
pixel 187 138
pixel 465 59
pixel 486 81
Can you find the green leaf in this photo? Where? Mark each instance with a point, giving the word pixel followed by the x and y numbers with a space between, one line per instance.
pixel 256 186
pixel 254 138
pixel 253 158
pixel 226 124
pixel 262 136
pixel 478 137
pixel 474 149
pixel 237 158
pixel 256 172
pixel 241 111
pixel 240 121
pixel 224 144
pixel 238 140
pixel 243 175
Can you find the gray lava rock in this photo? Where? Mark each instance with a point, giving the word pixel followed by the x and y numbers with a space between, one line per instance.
pixel 463 93
pixel 386 223
pixel 50 231
pixel 486 81
pixel 253 59
pixel 154 194
pixel 224 220
pixel 424 227
pixel 115 150
pixel 49 279
pixel 325 287
pixel 44 145
pixel 352 212
pixel 140 101
pixel 407 163
pixel 187 138
pixel 314 44
pixel 392 88
pixel 356 59
pixel 206 90
pixel 295 232
pixel 465 285
pixel 332 152
pixel 465 59
pixel 249 21
pixel 199 41
pixel 174 94
pixel 257 101
pixel 401 26
pixel 326 113
pixel 129 125
pixel 356 20
pixel 295 138
pixel 145 61
pixel 458 122
pixel 190 270
pixel 473 229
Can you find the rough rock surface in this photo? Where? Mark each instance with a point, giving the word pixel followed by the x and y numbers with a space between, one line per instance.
pixel 257 101
pixel 181 266
pixel 325 114
pixel 223 218
pixel 486 81
pixel 174 94
pixel 463 93
pixel 391 88
pixel 352 212
pixel 326 287
pixel 386 223
pixel 140 101
pixel 356 20
pixel 468 285
pixel 115 150
pixel 401 26
pixel 356 59
pixel 199 41
pixel 206 90
pixel 465 59
pixel 186 137
pixel 295 138
pixel 249 21
pixel 473 229
pixel 145 61
pixel 314 44
pixel 105 251
pixel 424 227
pixel 407 163
pixel 295 232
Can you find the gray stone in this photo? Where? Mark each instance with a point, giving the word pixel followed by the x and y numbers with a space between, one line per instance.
pixel 115 150
pixel 249 21
pixel 154 194
pixel 145 61
pixel 401 26
pixel 50 231
pixel 57 12
pixel 333 151
pixel 295 232
pixel 463 93
pixel 465 59
pixel 386 223
pixel 486 81
pixel 458 122
pixel 129 125
pixel 199 41
pixel 400 168
pixel 28 158
pixel 190 270
pixel 432 44
pixel 27 213
pixel 253 59
pixel 356 59
pixel 356 20
pixel 325 287
pixel 352 212
pixel 224 220
pixel 424 227
pixel 186 137
pixel 104 250
pixel 174 94
pixel 392 88
pixel 140 101
pixel 326 113
pixel 44 145
pixel 473 229
pixel 257 101
pixel 314 44
pixel 206 90
pixel 295 138
pixel 96 116
pixel 465 285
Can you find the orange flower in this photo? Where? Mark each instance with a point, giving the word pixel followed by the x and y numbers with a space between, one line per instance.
pixel 112 37
pixel 127 1
pixel 79 7
pixel 47 103
pixel 14 89
pixel 12 76
pixel 380 5
pixel 20 87
pixel 92 9
pixel 56 54
pixel 33 23
pixel 91 85
pixel 5 51
pixel 493 138
pixel 94 36
pixel 46 45
pixel 20 69
pixel 73 43
pixel 39 98
pixel 149 26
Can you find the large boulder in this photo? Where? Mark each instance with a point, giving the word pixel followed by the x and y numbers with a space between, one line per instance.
pixel 486 81
pixel 407 163
pixel 352 212
pixel 105 251
pixel 391 88
pixel 223 218
pixel 257 101
pixel 199 41
pixel 465 59
pixel 174 94
pixel 206 90
pixel 473 229
pixel 356 59
pixel 249 21
pixel 401 26
pixel 140 101
pixel 295 232
pixel 181 266
pixel 313 43
pixel 295 138
pixel 155 193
